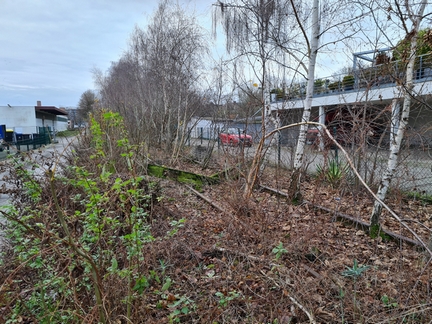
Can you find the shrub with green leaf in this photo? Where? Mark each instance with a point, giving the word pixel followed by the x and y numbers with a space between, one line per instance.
pixel 348 82
pixel 333 172
pixel 424 45
pixel 279 250
pixel 78 230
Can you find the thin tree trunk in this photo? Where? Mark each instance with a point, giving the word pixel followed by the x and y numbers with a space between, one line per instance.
pixel 396 144
pixel 182 120
pixel 252 175
pixel 301 142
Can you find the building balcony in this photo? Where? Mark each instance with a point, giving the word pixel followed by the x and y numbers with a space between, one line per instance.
pixel 374 84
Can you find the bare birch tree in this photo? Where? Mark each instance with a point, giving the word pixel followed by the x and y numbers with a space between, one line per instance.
pixel 404 13
pixel 248 26
pixel 122 89
pixel 318 26
pixel 312 52
pixel 174 47
pixel 284 28
pixel 156 84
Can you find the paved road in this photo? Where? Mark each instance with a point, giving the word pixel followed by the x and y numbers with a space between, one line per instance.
pixel 56 149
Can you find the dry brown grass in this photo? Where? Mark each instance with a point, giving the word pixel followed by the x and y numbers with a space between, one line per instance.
pixel 221 264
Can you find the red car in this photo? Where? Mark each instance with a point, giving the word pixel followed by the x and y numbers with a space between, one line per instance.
pixel 235 136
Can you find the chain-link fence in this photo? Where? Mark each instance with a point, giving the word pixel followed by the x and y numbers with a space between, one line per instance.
pixel 365 131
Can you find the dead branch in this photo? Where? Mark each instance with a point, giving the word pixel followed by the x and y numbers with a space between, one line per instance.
pixel 362 181
pixel 309 315
pixel 293 300
pixel 344 217
pixel 223 211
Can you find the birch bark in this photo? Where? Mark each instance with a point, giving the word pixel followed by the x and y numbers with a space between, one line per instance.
pixel 301 142
pixel 396 144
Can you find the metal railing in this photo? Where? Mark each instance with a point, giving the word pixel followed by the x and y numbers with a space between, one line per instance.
pixel 383 75
pixel 42 136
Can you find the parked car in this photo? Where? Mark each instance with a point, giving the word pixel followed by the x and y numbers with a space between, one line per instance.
pixel 235 136
pixel 312 135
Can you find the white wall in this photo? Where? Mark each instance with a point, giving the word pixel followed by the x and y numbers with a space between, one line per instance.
pixel 51 121
pixel 39 122
pixel 21 118
pixel 203 127
pixel 61 125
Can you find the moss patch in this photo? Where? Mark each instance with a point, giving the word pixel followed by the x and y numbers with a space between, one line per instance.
pixel 155 170
pixel 375 231
pixel 194 179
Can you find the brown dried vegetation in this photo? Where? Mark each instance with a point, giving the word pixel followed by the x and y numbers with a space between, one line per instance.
pixel 220 265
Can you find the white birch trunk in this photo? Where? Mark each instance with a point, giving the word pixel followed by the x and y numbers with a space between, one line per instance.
pixel 396 144
pixel 301 142
pixel 395 119
pixel 322 118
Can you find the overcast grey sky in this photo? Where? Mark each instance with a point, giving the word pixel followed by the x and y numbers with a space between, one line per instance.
pixel 49 47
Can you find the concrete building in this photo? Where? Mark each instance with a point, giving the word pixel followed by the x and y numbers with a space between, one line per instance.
pixel 25 121
pixel 362 111
pixel 372 93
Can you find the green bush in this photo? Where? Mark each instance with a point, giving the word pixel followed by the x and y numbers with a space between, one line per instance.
pixel 348 82
pixel 424 45
pixel 334 85
pixel 333 173
pixel 78 231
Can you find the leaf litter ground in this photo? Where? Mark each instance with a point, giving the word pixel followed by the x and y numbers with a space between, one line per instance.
pixel 225 263
pixel 265 260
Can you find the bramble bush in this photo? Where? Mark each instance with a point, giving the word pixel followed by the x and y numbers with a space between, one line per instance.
pixel 76 229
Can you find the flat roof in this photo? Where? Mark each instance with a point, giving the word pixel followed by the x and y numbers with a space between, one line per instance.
pixel 51 110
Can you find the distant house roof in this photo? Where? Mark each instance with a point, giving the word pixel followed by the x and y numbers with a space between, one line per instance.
pixel 51 110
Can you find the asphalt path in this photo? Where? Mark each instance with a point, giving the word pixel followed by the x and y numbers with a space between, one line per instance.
pixel 414 172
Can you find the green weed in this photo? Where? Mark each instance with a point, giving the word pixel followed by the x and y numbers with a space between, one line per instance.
pixel 78 229
pixel 333 173
pixel 224 299
pixel 279 250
